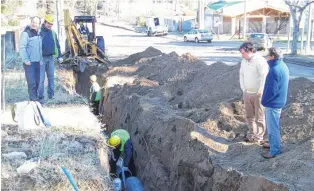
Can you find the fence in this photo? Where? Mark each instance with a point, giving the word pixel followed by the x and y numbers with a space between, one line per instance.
pixel 9 49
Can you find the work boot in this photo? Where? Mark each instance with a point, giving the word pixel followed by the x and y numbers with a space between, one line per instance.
pixel 266 145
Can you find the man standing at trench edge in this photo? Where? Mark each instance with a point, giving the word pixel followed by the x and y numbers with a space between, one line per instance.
pixel 31 54
pixel 253 73
pixel 50 51
pixel 274 98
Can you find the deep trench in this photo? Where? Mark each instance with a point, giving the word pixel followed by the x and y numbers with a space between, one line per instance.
pixel 182 165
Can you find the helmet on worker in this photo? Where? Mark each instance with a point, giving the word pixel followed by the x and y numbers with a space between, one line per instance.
pixel 114 141
pixel 93 78
pixel 49 19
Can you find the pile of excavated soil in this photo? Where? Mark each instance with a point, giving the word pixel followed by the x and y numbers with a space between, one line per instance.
pixel 77 151
pixel 186 120
pixel 132 59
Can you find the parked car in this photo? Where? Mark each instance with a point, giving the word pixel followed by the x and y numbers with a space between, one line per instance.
pixel 198 35
pixel 261 40
pixel 156 26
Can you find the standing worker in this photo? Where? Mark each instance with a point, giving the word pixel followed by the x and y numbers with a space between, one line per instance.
pixel 50 51
pixel 121 143
pixel 94 94
pixel 274 99
pixel 253 73
pixel 31 53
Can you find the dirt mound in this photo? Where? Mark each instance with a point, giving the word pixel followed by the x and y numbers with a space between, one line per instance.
pixel 186 118
pixel 190 86
pixel 53 148
pixel 132 59
pixel 297 122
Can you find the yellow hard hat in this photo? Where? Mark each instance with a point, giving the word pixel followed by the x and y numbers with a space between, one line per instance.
pixel 93 78
pixel 113 141
pixel 80 22
pixel 49 19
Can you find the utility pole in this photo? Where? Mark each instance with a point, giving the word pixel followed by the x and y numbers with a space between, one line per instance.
pixel 289 33
pixel 59 8
pixel 244 23
pixel 201 14
pixel 302 33
pixel 309 30
pixel 2 82
pixel 58 11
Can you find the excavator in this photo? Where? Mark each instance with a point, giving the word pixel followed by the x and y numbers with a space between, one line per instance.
pixel 80 49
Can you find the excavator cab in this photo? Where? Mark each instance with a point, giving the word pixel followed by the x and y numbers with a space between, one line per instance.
pixel 88 33
pixel 86 26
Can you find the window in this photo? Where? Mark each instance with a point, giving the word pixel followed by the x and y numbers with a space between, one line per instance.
pixel 203 31
pixel 257 36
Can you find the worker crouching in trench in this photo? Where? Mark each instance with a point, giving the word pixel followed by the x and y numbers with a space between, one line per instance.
pixel 95 95
pixel 122 146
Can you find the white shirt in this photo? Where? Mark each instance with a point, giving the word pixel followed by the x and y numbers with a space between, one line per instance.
pixel 253 73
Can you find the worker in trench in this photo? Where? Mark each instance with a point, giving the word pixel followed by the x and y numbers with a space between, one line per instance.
pixel 121 144
pixel 95 95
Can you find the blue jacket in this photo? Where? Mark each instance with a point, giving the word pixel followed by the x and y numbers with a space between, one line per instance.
pixel 30 45
pixel 276 85
pixel 51 46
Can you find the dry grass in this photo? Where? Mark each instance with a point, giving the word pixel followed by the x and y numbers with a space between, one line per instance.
pixel 16 87
pixel 76 150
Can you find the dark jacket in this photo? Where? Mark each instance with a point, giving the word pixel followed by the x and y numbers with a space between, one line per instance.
pixel 51 46
pixel 83 30
pixel 276 84
pixel 128 152
pixel 30 45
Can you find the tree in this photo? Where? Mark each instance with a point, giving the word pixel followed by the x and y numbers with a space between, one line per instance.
pixel 297 7
pixel 281 23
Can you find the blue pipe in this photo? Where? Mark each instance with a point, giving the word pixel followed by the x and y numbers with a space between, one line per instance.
pixel 133 184
pixel 68 175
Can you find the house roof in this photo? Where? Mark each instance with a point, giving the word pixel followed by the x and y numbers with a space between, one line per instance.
pixel 236 8
pixel 221 4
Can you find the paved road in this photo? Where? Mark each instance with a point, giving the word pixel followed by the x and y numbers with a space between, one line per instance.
pixel 121 43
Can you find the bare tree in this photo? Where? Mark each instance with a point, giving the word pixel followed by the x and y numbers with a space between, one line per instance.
pixel 283 22
pixel 297 7
pixel 255 26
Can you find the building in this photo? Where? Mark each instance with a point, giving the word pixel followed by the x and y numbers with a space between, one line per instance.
pixel 227 17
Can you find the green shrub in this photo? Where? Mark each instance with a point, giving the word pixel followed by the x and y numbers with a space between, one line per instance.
pixel 14 22
pixel 140 21
pixel 5 10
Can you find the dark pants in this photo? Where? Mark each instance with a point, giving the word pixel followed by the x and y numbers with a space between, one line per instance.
pixel 113 163
pixel 95 107
pixel 49 69
pixel 32 74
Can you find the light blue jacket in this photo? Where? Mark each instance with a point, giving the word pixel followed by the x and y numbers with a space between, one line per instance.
pixel 30 46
